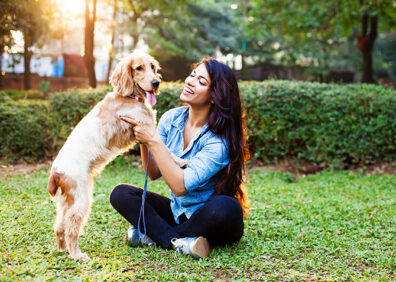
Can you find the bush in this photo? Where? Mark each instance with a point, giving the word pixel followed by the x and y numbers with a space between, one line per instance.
pixel 25 94
pixel 322 123
pixel 24 130
pixel 340 125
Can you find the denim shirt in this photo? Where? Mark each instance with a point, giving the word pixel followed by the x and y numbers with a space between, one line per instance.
pixel 207 155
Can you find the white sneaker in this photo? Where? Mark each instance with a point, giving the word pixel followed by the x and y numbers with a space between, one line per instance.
pixel 197 247
pixel 133 239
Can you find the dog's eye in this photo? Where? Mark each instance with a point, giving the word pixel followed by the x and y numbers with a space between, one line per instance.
pixel 139 68
pixel 152 67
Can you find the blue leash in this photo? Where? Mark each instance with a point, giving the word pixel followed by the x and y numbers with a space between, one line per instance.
pixel 141 214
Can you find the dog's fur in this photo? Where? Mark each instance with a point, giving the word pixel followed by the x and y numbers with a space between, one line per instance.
pixel 98 138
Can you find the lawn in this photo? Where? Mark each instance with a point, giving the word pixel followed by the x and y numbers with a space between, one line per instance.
pixel 325 226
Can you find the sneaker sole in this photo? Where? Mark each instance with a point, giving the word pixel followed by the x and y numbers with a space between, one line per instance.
pixel 201 248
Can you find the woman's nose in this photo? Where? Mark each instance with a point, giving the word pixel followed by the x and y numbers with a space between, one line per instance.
pixel 189 80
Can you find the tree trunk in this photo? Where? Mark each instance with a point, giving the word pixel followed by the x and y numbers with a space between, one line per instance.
pixel 111 51
pixel 26 58
pixel 89 58
pixel 366 43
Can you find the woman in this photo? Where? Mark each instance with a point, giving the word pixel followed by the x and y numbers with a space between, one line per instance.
pixel 207 200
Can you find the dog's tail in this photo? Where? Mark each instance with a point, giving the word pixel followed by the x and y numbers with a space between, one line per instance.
pixel 53 186
pixel 60 181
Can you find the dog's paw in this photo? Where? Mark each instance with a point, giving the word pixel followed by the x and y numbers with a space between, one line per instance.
pixel 80 256
pixel 61 249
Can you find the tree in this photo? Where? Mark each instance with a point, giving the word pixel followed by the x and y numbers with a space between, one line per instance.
pixel 177 32
pixel 323 26
pixel 7 23
pixel 89 59
pixel 113 30
pixel 33 18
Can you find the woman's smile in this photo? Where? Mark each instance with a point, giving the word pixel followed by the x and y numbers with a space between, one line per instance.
pixel 188 90
pixel 196 90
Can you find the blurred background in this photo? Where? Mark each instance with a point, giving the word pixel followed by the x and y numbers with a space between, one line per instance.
pixel 60 44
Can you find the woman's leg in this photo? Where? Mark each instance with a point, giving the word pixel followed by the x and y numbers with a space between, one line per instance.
pixel 127 200
pixel 220 220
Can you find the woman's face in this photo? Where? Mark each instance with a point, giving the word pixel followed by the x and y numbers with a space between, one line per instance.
pixel 196 87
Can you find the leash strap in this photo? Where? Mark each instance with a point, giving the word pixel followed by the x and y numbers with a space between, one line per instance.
pixel 141 214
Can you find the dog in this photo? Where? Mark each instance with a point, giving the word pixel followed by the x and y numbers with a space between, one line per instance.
pixel 96 140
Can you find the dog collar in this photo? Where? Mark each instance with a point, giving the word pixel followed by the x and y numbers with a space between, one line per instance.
pixel 137 98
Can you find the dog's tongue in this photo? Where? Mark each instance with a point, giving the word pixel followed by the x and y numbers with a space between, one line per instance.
pixel 151 98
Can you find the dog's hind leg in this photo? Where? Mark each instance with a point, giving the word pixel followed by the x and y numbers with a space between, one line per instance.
pixel 59 227
pixel 76 218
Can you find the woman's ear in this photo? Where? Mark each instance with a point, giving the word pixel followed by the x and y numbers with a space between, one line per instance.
pixel 122 77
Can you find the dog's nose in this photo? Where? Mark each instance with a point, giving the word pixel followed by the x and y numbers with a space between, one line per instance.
pixel 155 84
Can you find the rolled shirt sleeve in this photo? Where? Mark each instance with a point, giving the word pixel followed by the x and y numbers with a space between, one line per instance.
pixel 163 126
pixel 205 164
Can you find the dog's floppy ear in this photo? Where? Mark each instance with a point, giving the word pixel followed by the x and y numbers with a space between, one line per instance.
pixel 122 77
pixel 157 67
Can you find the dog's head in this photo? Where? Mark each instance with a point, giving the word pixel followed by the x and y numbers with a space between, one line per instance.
pixel 137 74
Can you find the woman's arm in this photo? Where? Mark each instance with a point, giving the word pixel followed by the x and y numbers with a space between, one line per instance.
pixel 171 172
pixel 153 170
pixel 163 163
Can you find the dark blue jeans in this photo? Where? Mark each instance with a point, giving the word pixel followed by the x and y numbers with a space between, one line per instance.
pixel 220 220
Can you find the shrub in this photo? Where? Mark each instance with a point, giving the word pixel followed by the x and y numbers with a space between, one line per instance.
pixel 25 94
pixel 321 123
pixel 326 124
pixel 168 98
pixel 24 130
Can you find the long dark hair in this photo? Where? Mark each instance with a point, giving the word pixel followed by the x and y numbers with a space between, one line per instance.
pixel 226 120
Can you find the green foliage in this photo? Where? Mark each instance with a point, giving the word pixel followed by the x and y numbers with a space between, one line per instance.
pixel 168 98
pixel 30 94
pixel 33 18
pixel 24 130
pixel 321 123
pixel 384 49
pixel 311 33
pixel 179 33
pixel 45 86
pixel 328 226
pixel 194 30
pixel 328 124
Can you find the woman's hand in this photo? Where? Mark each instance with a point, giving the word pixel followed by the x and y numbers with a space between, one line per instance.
pixel 164 164
pixel 145 133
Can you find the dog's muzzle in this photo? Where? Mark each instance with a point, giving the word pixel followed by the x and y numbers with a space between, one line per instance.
pixel 155 84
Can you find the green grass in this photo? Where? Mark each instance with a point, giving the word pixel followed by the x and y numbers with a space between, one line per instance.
pixel 332 225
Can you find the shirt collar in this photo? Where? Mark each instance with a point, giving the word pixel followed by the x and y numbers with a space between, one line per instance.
pixel 181 120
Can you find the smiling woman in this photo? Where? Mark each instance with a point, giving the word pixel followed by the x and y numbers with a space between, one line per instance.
pixel 207 201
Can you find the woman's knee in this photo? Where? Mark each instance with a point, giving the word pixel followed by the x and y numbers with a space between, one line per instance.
pixel 120 193
pixel 226 220
pixel 226 209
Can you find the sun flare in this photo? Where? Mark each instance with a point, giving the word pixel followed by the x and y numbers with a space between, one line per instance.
pixel 71 8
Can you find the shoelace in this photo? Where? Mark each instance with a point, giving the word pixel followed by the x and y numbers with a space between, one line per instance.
pixel 178 249
pixel 180 246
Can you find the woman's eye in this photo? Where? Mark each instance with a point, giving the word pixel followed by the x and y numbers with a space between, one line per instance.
pixel 139 68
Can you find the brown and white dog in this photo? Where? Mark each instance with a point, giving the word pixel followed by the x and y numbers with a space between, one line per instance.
pixel 96 140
